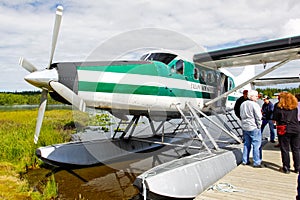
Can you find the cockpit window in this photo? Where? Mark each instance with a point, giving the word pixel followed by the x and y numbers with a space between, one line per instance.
pixel 179 66
pixel 161 57
pixel 144 57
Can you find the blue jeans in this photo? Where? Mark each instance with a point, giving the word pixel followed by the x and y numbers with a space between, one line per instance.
pixel 252 138
pixel 271 127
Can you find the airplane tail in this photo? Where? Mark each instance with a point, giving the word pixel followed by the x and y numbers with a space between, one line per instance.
pixel 247 73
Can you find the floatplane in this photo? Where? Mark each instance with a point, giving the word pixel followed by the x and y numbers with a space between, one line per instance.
pixel 161 86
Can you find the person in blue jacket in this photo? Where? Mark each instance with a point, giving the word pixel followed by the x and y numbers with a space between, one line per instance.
pixel 267 113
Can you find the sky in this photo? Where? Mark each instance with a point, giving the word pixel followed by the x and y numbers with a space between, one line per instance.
pixel 26 29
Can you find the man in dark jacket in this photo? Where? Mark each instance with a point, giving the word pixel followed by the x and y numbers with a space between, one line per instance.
pixel 239 102
pixel 267 113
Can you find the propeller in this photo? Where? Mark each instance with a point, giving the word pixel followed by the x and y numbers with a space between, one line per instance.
pixel 41 78
pixel 27 65
pixel 48 79
pixel 58 17
pixel 40 117
pixel 69 95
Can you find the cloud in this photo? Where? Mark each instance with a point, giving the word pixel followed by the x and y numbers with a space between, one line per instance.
pixel 291 27
pixel 26 26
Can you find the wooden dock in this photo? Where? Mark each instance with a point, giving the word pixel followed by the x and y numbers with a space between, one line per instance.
pixel 246 182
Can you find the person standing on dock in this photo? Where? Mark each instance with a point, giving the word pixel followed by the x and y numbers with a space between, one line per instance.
pixel 267 113
pixel 239 102
pixel 251 120
pixel 286 114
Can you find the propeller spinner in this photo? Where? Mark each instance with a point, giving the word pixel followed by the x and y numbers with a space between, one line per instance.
pixel 48 79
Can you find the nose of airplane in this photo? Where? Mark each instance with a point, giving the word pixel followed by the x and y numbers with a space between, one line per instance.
pixel 42 78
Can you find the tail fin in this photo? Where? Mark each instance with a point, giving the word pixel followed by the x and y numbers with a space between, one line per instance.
pixel 246 74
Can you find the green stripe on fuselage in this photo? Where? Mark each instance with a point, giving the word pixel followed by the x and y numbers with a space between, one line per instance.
pixel 139 89
pixel 143 69
pixel 231 98
pixel 151 69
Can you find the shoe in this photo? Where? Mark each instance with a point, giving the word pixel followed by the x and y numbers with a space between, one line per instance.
pixel 277 145
pixel 258 166
pixel 272 141
pixel 248 163
pixel 284 170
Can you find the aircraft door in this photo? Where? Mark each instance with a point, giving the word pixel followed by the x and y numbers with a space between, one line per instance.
pixel 223 87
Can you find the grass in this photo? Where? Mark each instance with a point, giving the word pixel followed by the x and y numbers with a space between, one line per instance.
pixel 17 149
pixel 17 131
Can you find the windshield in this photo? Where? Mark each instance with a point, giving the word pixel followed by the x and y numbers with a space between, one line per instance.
pixel 162 57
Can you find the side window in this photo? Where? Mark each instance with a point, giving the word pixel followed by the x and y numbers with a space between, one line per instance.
pixel 196 74
pixel 210 77
pixel 179 66
pixel 203 76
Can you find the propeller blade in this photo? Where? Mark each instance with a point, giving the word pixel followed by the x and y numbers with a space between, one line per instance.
pixel 59 12
pixel 27 65
pixel 69 95
pixel 40 117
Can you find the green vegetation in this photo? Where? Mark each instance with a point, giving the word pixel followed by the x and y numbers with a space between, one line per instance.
pixel 102 120
pixel 17 150
pixel 11 186
pixel 49 190
pixel 271 91
pixel 23 98
pixel 17 130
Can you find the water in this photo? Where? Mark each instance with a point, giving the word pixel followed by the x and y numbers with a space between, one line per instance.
pixel 112 181
pixel 31 107
pixel 101 182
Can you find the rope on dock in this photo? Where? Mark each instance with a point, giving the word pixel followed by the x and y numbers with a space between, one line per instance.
pixel 224 187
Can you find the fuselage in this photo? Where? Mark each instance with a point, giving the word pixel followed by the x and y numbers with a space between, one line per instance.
pixel 152 85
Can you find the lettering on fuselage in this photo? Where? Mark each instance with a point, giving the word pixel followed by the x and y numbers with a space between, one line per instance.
pixel 202 88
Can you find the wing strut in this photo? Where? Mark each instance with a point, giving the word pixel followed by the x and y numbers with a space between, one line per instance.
pixel 249 81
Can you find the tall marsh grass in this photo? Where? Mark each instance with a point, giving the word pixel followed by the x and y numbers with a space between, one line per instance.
pixel 17 132
pixel 17 149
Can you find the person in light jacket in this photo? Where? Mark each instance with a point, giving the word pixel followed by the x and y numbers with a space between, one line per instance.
pixel 251 120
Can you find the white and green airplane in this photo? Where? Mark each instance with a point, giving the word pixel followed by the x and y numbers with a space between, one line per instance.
pixel 160 83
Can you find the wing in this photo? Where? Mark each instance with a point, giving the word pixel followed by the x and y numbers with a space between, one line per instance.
pixel 275 81
pixel 259 53
pixel 280 50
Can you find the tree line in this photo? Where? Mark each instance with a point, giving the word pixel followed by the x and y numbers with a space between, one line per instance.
pixel 23 98
pixel 272 91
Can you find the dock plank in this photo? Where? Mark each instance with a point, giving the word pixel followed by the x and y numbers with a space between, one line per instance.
pixel 257 183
